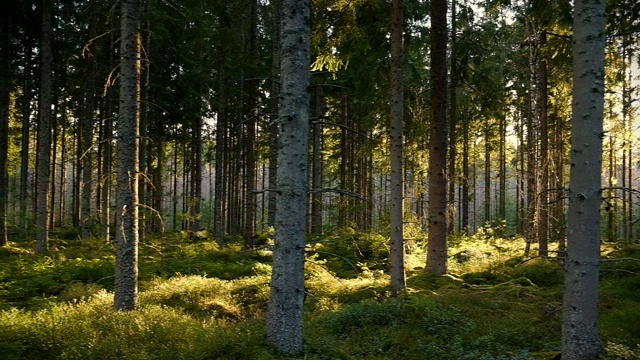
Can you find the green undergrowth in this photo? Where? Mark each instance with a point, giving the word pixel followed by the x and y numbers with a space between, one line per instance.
pixel 198 301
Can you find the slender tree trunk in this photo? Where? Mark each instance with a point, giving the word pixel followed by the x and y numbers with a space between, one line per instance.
pixel 88 125
pixel 487 171
pixel 437 246
pixel 273 127
pixel 62 203
pixel 5 103
pixel 44 130
pixel 127 235
pixel 316 176
pixel 157 224
pixel 220 189
pixel 453 121
pixel 580 338
pixel 344 163
pixel 54 158
pixel 611 228
pixel 396 135
pixel 145 154
pixel 284 321
pixel 24 140
pixel 560 180
pixel 107 160
pixel 522 176
pixel 502 161
pixel 252 114
pixel 465 173
pixel 532 119
pixel 543 157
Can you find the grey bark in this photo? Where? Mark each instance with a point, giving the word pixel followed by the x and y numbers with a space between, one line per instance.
pixel 316 173
pixel 396 135
pixel 453 120
pixel 252 100
pixel 273 127
pixel 284 322
pixel 437 238
pixel 543 158
pixel 221 130
pixel 127 235
pixel 5 100
pixel 44 131
pixel 25 138
pixel 88 125
pixel 580 338
pixel 107 158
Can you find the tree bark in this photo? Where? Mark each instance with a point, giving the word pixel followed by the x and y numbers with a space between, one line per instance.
pixel 219 208
pixel 88 125
pixel 453 120
pixel 273 126
pixel 396 135
pixel 127 235
pixel 5 103
pixel 252 101
pixel 25 136
pixel 44 130
pixel 284 322
pixel 580 338
pixel 316 173
pixel 543 157
pixel 437 238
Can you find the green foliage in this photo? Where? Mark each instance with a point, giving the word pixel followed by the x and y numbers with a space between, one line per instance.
pixel 202 302
pixel 349 253
pixel 410 328
pixel 94 331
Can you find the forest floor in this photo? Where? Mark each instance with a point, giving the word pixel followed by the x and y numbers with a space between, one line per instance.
pixel 198 301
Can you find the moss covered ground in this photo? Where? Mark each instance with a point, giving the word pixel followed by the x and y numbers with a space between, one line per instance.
pixel 198 301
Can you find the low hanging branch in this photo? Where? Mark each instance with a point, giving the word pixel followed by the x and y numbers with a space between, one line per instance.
pixel 339 191
pixel 332 190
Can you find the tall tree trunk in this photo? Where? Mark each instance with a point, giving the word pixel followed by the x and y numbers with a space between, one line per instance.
pixel 502 181
pixel 107 160
pixel 174 188
pixel 5 103
pixel 24 140
pixel 453 120
pixel 143 143
pixel 62 205
pixel 465 173
pixel 543 157
pixel 276 8
pixel 580 338
pixel 284 321
pixel 316 176
pixel 532 179
pixel 107 147
pixel 88 124
pixel 44 130
pixel 344 163
pixel 522 176
pixel 219 210
pixel 196 177
pixel 611 210
pixel 396 135
pixel 627 164
pixel 437 246
pixel 127 235
pixel 560 181
pixel 54 158
pixel 252 114
pixel 157 223
pixel 487 171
